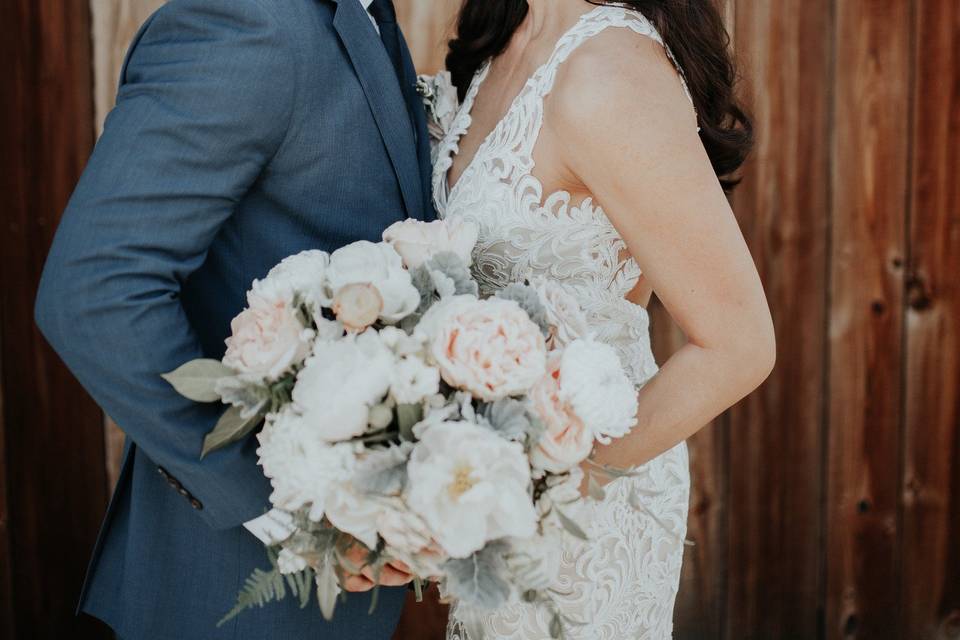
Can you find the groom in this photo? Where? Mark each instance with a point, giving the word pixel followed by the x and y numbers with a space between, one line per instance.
pixel 244 131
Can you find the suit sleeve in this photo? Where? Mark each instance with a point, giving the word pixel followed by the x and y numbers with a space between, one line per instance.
pixel 204 104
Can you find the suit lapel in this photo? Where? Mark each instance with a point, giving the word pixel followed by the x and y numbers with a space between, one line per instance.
pixel 379 81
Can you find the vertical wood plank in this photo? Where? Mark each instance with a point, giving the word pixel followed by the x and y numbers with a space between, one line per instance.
pixel 775 433
pixel 930 584
pixel 7 622
pixel 54 451
pixel 869 179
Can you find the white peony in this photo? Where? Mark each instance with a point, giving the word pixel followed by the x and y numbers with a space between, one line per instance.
pixel 378 265
pixel 302 276
pixel 594 384
pixel 564 314
pixel 412 380
pixel 304 470
pixel 340 383
pixel 490 347
pixel 417 241
pixel 470 486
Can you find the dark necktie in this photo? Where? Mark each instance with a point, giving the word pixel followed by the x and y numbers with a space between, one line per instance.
pixel 386 17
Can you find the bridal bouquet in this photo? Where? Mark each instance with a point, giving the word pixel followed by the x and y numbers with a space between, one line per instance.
pixel 403 411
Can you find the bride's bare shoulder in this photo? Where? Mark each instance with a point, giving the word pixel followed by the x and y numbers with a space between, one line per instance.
pixel 622 76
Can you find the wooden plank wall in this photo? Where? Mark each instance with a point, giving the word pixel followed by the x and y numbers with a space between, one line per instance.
pixel 826 505
pixel 53 468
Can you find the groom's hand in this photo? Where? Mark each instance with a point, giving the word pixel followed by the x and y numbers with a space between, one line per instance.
pixel 393 574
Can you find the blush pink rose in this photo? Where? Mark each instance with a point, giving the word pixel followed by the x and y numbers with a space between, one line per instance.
pixel 268 339
pixel 566 442
pixel 418 241
pixel 490 347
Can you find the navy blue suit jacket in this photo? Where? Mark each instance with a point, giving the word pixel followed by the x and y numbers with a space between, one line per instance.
pixel 244 131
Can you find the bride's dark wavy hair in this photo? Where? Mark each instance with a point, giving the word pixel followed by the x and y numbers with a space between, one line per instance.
pixel 692 29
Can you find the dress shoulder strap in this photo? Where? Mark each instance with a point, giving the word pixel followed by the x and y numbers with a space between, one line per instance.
pixel 589 25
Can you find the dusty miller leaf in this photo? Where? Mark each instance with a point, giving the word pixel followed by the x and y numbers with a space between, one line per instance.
pixel 529 301
pixel 479 580
pixel 450 265
pixel 197 379
pixel 508 417
pixel 383 471
pixel 408 415
pixel 328 587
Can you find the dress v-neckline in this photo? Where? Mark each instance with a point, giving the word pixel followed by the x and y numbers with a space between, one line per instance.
pixel 466 108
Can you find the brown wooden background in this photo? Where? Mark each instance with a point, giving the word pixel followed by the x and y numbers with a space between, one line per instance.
pixel 826 505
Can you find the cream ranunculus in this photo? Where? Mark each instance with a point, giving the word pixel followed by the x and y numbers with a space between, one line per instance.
pixel 268 339
pixel 566 441
pixel 357 306
pixel 378 265
pixel 470 486
pixel 490 347
pixel 594 384
pixel 418 241
pixel 340 383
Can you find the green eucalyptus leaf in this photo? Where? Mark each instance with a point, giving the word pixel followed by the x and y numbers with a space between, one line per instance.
pixel 407 416
pixel 231 428
pixel 594 489
pixel 572 527
pixel 197 379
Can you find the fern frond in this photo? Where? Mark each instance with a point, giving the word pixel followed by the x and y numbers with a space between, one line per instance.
pixel 263 587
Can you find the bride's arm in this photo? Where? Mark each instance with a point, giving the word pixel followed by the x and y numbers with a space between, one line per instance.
pixel 630 139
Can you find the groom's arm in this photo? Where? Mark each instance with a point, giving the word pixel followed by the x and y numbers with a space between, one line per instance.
pixel 204 104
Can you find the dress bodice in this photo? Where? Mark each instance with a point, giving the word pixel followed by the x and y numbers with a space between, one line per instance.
pixel 525 233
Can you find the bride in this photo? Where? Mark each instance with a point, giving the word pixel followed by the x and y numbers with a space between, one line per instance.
pixel 592 146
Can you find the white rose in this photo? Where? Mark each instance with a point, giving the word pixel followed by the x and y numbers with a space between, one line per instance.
pixel 378 265
pixel 418 241
pixel 490 347
pixel 301 275
pixel 267 339
pixel 564 314
pixel 354 513
pixel 594 384
pixel 303 469
pixel 340 383
pixel 470 486
pixel 412 380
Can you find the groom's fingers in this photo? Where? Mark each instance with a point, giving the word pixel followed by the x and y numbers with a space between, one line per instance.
pixel 389 577
pixel 357 584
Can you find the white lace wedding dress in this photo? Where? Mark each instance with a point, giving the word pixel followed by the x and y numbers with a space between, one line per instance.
pixel 623 582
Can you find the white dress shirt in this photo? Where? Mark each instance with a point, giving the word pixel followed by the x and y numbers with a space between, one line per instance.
pixel 276 526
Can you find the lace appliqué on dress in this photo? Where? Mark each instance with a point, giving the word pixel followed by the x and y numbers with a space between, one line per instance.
pixel 622 583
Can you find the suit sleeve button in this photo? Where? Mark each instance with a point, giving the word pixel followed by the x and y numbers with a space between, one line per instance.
pixel 196 504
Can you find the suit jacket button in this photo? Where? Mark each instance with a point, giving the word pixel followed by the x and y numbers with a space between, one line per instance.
pixel 196 504
pixel 183 492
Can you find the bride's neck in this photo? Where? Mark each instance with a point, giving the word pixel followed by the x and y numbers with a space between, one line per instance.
pixel 546 16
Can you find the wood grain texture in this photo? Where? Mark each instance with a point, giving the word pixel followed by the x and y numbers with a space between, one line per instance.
pixel 869 177
pixel 930 585
pixel 775 433
pixel 54 467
